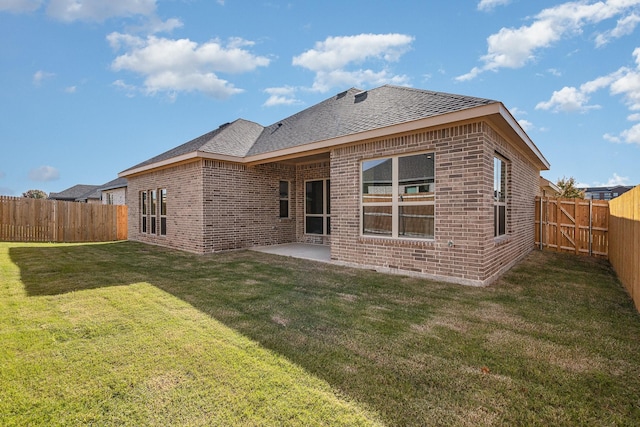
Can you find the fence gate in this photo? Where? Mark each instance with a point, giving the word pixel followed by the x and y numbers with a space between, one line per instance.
pixel 577 226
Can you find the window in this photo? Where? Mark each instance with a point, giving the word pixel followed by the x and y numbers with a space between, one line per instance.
pixel 499 196
pixel 153 204
pixel 153 213
pixel 398 196
pixel 317 207
pixel 284 199
pixel 163 211
pixel 143 211
pixel 109 198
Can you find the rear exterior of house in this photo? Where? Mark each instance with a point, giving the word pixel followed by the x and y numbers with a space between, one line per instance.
pixel 395 179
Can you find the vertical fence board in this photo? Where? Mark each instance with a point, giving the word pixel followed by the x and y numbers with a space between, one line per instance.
pixel 41 220
pixel 572 225
pixel 625 241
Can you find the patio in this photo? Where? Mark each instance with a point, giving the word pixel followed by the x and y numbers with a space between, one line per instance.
pixel 312 252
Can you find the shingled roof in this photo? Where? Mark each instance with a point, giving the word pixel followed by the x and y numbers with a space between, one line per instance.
pixel 230 139
pixel 76 192
pixel 357 111
pixel 346 113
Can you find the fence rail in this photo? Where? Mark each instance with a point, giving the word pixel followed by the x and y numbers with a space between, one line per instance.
pixel 573 225
pixel 624 251
pixel 43 220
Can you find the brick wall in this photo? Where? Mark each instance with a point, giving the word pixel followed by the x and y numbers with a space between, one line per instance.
pixel 464 249
pixel 184 206
pixel 523 185
pixel 119 196
pixel 214 206
pixel 242 205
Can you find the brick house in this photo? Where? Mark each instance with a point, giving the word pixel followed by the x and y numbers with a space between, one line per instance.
pixel 394 178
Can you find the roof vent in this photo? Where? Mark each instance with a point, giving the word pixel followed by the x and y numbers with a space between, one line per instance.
pixel 360 96
pixel 224 125
pixel 341 94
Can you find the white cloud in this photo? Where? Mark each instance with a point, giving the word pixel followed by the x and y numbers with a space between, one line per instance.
pixel 526 125
pixel 631 135
pixel 281 96
pixel 20 6
pixel 624 27
pixel 71 89
pixel 44 174
pixel 515 47
pixel 325 80
pixel 614 181
pixel 624 81
pixel 183 65
pixel 330 59
pixel 99 10
pixel 611 138
pixel 486 5
pixel 40 75
pixel 567 99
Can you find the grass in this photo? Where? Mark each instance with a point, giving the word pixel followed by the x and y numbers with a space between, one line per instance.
pixel 130 334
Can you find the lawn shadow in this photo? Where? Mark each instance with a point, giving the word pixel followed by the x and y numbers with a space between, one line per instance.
pixel 412 350
pixel 59 269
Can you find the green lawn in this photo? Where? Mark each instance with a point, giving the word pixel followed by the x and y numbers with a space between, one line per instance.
pixel 130 334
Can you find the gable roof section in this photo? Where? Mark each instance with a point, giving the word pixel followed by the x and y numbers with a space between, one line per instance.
pixel 356 111
pixel 76 192
pixel 347 117
pixel 114 183
pixel 231 139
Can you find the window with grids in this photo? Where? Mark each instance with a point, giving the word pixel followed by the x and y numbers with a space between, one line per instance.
pixel 153 211
pixel 499 196
pixel 398 196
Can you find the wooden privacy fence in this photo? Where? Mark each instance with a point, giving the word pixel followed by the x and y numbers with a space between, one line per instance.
pixel 576 226
pixel 43 220
pixel 624 249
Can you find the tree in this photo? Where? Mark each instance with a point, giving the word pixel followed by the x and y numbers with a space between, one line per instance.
pixel 35 194
pixel 569 189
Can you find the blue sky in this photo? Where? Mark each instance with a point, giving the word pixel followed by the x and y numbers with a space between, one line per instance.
pixel 89 88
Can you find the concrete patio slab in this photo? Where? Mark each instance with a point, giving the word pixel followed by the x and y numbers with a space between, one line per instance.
pixel 320 253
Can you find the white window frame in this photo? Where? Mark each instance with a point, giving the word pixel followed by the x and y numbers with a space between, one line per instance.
pixel 497 203
pixel 151 211
pixel 287 199
pixel 162 211
pixel 395 203
pixel 326 231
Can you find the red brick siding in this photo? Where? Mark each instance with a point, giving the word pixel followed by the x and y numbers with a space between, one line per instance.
pixel 522 187
pixel 464 242
pixel 242 205
pixel 184 206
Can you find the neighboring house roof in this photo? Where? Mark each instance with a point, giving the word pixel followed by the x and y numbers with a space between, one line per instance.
pixel 347 117
pixel 93 194
pixel 113 184
pixel 604 189
pixel 549 186
pixel 76 192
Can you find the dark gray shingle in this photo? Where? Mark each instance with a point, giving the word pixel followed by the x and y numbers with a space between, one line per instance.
pixel 347 113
